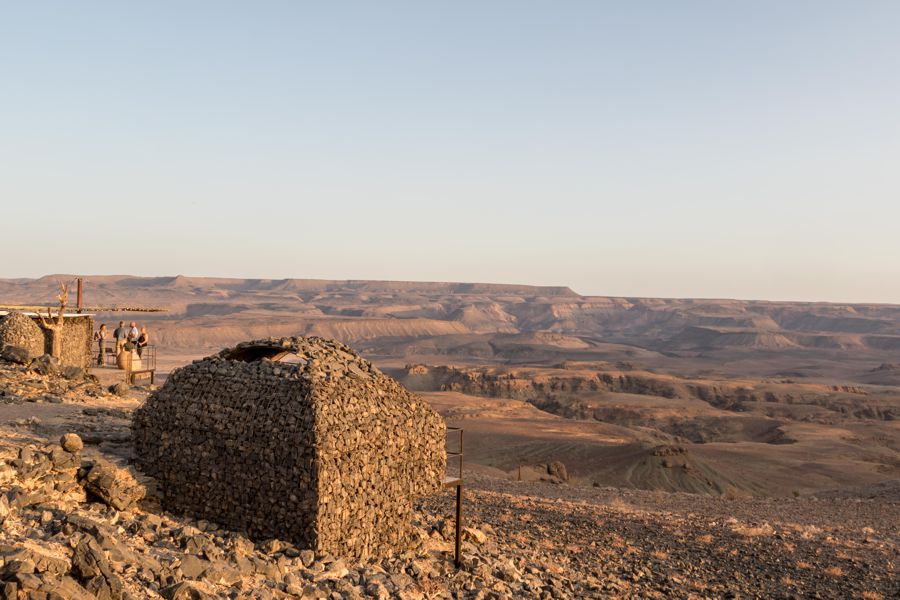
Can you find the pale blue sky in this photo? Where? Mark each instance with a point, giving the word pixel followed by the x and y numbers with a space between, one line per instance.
pixel 699 149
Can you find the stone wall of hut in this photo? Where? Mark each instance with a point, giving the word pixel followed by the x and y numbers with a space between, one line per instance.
pixel 77 347
pixel 379 447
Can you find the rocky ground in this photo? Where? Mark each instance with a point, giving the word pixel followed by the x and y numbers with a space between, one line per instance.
pixel 77 522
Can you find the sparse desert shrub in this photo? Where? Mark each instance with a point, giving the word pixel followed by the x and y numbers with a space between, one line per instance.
pixel 733 493
pixel 806 531
pixel 763 529
pixel 619 505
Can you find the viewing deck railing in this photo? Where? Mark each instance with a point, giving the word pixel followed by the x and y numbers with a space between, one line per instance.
pixel 135 364
pixel 457 482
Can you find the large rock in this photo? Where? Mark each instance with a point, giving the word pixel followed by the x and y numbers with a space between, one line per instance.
pixel 114 486
pixel 71 442
pixel 63 588
pixel 45 365
pixel 323 450
pixel 22 333
pixel 185 591
pixel 63 460
pixel 119 389
pixel 15 354
pixel 30 557
pixel 92 567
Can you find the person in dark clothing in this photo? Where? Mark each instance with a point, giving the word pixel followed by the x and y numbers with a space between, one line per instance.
pixel 120 334
pixel 100 337
pixel 142 341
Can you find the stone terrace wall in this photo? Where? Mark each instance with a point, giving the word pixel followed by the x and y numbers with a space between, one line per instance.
pixel 326 452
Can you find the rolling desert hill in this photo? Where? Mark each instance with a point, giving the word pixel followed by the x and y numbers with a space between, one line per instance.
pixel 369 310
pixel 722 397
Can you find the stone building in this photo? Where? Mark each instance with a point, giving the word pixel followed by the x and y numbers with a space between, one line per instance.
pixel 18 331
pixel 299 439
pixel 77 336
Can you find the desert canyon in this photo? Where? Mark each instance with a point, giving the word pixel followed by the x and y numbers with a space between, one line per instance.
pixel 627 447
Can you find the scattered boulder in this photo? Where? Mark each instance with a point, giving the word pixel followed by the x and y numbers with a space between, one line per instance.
pixel 70 442
pixel 15 354
pixel 221 573
pixel 119 389
pixel 193 567
pixel 558 471
pixel 62 588
pixel 63 460
pixel 114 486
pixel 669 450
pixel 30 557
pixel 474 535
pixel 90 565
pixel 73 373
pixel 185 591
pixel 45 365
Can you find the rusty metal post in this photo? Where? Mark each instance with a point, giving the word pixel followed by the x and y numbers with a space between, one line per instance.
pixel 460 454
pixel 459 489
pixel 458 558
pixel 457 482
pixel 80 281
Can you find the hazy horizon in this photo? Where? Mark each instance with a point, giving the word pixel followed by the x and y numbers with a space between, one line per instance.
pixel 695 150
pixel 70 277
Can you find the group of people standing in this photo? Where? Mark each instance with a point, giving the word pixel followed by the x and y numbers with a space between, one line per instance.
pixel 123 335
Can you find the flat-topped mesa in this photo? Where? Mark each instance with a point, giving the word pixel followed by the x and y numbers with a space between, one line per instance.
pixel 294 438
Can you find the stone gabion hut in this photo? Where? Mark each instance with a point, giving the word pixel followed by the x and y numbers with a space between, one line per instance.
pixel 20 331
pixel 297 438
pixel 23 330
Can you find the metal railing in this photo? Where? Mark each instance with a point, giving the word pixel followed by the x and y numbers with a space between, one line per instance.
pixel 145 364
pixel 457 482
pixel 141 362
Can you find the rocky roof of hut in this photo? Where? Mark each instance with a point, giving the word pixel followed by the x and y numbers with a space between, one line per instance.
pixel 311 354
